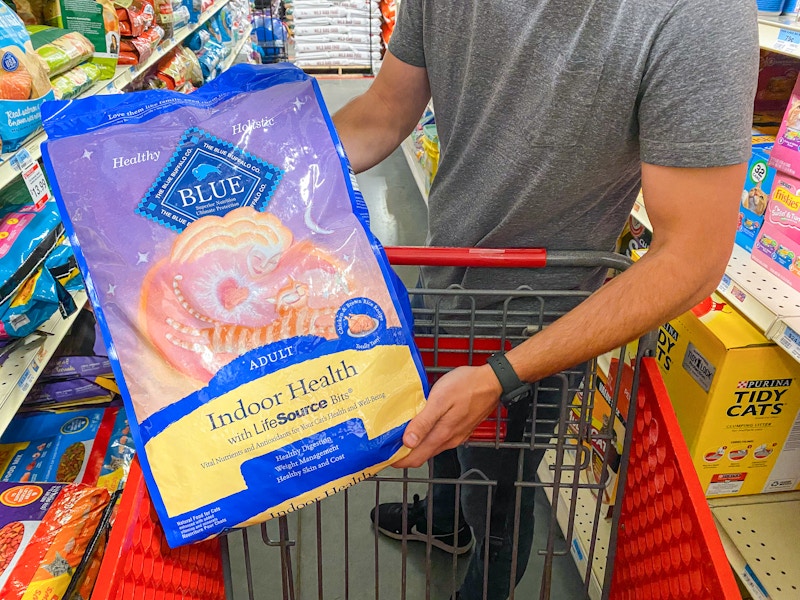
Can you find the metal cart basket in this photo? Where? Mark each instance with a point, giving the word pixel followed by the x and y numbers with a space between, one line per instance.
pixel 602 425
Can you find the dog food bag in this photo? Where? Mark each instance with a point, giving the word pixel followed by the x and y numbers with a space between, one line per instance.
pixel 45 530
pixel 66 447
pixel 63 53
pixel 76 81
pixel 137 50
pixel 33 304
pixel 96 20
pixel 70 391
pixel 251 317
pixel 23 82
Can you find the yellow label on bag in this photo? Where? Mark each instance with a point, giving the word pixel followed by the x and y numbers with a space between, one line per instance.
pixel 274 411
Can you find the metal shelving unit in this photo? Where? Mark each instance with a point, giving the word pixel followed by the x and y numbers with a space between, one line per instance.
pixel 760 536
pixel 123 76
pixel 579 543
pixel 23 367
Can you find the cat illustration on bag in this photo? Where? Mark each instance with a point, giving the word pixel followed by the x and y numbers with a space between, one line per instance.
pixel 235 283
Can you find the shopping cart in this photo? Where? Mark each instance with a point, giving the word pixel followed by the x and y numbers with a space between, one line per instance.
pixel 668 549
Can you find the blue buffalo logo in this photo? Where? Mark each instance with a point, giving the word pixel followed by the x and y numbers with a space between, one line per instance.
pixel 207 176
pixel 10 62
pixel 200 172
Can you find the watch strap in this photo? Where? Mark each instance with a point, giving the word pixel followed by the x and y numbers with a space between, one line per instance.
pixel 513 387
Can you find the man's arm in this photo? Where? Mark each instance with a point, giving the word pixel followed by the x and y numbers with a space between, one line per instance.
pixel 693 212
pixel 374 124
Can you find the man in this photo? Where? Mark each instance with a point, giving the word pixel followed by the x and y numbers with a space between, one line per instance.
pixel 551 115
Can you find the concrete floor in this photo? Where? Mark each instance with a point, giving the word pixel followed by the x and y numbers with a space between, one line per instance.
pixel 337 555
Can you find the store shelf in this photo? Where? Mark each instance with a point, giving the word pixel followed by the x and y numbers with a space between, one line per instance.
pixel 780 34
pixel 122 78
pixel 237 48
pixel 125 75
pixel 7 173
pixel 758 294
pixel 416 168
pixel 24 366
pixel 584 518
pixel 771 305
pixel 760 536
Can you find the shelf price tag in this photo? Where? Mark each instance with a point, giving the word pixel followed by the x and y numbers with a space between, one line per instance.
pixel 33 176
pixel 753 585
pixel 788 42
pixel 789 340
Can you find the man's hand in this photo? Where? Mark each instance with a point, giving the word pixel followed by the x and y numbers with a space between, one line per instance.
pixel 457 403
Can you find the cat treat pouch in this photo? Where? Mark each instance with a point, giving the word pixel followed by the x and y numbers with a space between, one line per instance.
pixel 252 321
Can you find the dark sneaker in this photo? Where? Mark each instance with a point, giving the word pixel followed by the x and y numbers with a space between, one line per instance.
pixel 390 522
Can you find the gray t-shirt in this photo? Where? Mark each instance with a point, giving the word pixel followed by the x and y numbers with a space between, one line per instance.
pixel 546 109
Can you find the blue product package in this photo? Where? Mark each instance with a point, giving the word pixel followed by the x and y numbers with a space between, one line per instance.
pixel 38 299
pixel 25 83
pixel 66 447
pixel 195 7
pixel 225 26
pixel 212 54
pixel 119 455
pixel 197 40
pixel 27 235
pixel 757 190
pixel 259 341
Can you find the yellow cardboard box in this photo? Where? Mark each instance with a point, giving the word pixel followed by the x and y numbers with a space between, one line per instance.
pixel 737 397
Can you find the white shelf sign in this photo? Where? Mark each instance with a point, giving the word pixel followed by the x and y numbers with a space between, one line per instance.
pixel 33 176
pixel 788 41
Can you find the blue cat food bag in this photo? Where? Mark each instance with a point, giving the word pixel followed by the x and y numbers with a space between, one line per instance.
pixel 264 355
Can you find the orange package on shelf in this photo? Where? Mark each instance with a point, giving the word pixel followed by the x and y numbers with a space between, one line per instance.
pixel 45 532
pixel 136 18
pixel 137 50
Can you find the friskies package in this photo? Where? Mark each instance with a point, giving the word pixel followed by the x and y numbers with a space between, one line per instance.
pixel 253 322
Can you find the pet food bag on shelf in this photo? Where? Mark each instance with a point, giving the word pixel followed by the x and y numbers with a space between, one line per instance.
pixel 45 530
pixel 31 234
pixel 68 447
pixel 63 49
pixel 23 82
pixel 96 20
pixel 254 325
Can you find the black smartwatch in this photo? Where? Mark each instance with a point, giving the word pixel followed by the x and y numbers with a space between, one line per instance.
pixel 514 389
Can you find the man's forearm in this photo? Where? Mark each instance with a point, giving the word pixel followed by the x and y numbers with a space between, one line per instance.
pixel 368 131
pixel 374 124
pixel 659 287
pixel 669 280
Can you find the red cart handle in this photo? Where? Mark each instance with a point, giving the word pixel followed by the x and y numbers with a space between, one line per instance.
pixel 509 258
pixel 528 258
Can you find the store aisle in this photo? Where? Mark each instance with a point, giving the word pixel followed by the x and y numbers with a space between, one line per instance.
pixel 335 542
pixel 398 215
